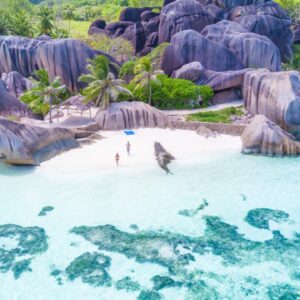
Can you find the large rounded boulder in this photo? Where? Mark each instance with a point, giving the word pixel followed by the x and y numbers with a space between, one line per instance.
pixel 276 96
pixel 66 58
pixel 131 115
pixel 263 136
pixel 270 20
pixel 191 46
pixel 181 15
pixel 22 144
pixel 251 49
pixel 9 104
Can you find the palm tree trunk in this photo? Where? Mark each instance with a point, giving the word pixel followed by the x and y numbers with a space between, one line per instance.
pixel 150 91
pixel 50 114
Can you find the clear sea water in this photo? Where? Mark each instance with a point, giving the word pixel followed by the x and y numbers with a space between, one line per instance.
pixel 158 241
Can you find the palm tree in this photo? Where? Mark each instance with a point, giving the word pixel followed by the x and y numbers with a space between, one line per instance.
pixel 46 20
pixel 145 75
pixel 68 12
pixel 102 87
pixel 47 96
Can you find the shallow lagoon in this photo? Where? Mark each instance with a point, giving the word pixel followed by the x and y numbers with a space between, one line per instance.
pixel 129 233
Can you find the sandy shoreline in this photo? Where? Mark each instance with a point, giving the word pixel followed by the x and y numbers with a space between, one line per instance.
pixel 183 144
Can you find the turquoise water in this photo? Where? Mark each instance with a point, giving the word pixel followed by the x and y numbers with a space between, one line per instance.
pixel 227 228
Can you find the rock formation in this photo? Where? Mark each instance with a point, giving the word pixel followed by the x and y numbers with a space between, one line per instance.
pixel 252 50
pixel 276 96
pixel 267 19
pixel 10 105
pixel 22 144
pixel 265 137
pixel 206 132
pixel 181 15
pixel 192 46
pixel 15 83
pixel 191 71
pixel 163 157
pixel 66 58
pixel 130 115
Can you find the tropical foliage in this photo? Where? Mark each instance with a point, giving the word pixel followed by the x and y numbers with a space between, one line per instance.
pixel 103 87
pixel 145 76
pixel 44 94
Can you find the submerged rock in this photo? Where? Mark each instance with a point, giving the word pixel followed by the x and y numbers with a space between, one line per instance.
pixel 128 285
pixel 16 243
pixel 149 295
pixel 91 268
pixel 22 144
pixel 45 210
pixel 260 217
pixel 177 252
pixel 276 96
pixel 131 115
pixel 163 157
pixel 262 136
pixel 193 212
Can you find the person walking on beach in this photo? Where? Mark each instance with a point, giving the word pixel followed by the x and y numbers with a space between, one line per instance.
pixel 128 146
pixel 117 158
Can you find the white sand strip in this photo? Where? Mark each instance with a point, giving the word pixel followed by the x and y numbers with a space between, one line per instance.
pixel 183 144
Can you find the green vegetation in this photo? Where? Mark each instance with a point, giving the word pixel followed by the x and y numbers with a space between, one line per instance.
pixel 102 86
pixel 294 63
pixel 44 94
pixel 119 48
pixel 218 116
pixel 169 93
pixel 146 76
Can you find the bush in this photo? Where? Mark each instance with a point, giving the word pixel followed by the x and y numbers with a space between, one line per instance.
pixel 171 93
pixel 119 48
pixel 127 70
pixel 218 116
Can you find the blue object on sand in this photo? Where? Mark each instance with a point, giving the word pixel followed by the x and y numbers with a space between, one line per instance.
pixel 129 132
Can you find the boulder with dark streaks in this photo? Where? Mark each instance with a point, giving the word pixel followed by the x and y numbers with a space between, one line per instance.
pixel 22 144
pixel 251 49
pixel 163 157
pixel 131 115
pixel 66 58
pixel 181 15
pixel 270 20
pixel 15 83
pixel 276 96
pixel 9 104
pixel 262 136
pixel 192 46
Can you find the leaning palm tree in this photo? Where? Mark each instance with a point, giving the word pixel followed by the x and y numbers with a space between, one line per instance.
pixel 103 87
pixel 145 75
pixel 48 95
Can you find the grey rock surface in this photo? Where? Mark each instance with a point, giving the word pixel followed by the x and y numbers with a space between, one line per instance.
pixel 262 136
pixel 131 115
pixel 22 144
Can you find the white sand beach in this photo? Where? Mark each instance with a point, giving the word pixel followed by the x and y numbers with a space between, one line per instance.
pixel 183 144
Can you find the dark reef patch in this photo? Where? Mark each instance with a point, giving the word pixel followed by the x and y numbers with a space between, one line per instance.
pixel 91 268
pixel 45 211
pixel 128 285
pixel 149 295
pixel 260 217
pixel 16 242
pixel 193 212
pixel 177 252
